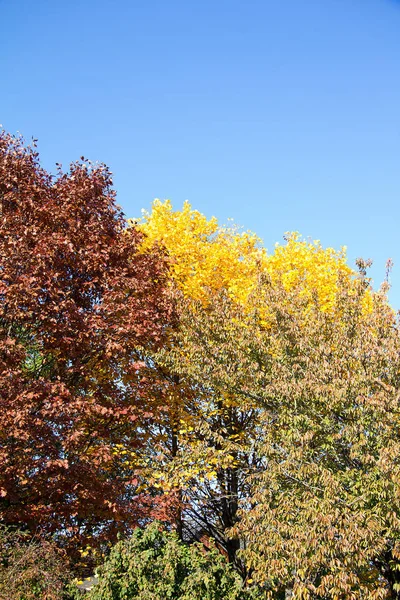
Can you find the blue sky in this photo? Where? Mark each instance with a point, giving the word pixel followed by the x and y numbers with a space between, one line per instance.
pixel 282 114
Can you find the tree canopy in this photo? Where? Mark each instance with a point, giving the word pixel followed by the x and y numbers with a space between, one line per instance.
pixel 172 368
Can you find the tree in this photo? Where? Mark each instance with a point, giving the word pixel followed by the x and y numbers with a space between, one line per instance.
pixel 155 564
pixel 214 429
pixel 323 517
pixel 318 513
pixel 78 304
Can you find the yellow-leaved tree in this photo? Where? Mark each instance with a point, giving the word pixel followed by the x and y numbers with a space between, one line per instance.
pixel 206 438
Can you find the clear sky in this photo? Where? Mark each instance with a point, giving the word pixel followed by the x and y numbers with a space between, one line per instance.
pixel 282 114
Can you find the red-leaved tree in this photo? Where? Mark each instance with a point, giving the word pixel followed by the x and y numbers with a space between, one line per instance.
pixel 79 305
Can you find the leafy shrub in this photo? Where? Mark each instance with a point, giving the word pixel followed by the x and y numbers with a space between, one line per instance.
pixel 31 569
pixel 155 565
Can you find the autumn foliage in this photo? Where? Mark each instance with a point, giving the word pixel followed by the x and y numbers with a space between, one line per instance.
pixel 32 568
pixel 77 305
pixel 172 368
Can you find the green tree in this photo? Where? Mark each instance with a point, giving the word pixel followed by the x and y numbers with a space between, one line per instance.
pixel 154 565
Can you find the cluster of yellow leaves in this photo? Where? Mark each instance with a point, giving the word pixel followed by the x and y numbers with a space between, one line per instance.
pixel 206 258
pixel 308 267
